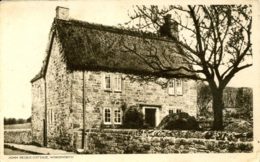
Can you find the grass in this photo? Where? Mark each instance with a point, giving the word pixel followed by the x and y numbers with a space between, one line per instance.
pixel 18 126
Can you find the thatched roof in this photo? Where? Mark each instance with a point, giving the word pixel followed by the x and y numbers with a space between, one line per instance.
pixel 87 46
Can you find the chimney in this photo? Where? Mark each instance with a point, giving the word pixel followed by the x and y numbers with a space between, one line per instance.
pixel 169 28
pixel 62 13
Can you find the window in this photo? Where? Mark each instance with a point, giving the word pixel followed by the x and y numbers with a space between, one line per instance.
pixel 113 82
pixel 175 87
pixel 178 111
pixel 50 116
pixel 107 116
pixel 171 111
pixel 117 116
pixel 108 82
pixel 171 90
pixel 117 83
pixel 112 116
pixel 178 87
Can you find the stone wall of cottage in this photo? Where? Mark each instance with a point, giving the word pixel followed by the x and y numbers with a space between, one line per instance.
pixel 134 93
pixel 65 100
pixel 58 88
pixel 77 99
pixel 38 110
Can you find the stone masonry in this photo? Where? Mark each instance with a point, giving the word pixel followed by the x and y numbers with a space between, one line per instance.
pixel 38 110
pixel 57 95
pixel 65 99
pixel 58 98
pixel 19 136
pixel 127 141
pixel 132 94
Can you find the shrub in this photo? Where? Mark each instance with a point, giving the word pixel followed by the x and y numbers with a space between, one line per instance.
pixel 239 127
pixel 179 121
pixel 133 119
pixel 234 115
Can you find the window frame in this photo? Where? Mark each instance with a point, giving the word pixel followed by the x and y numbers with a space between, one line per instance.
pixel 117 78
pixel 177 88
pixel 173 87
pixel 179 110
pixel 50 116
pixel 173 111
pixel 105 82
pixel 116 117
pixel 104 116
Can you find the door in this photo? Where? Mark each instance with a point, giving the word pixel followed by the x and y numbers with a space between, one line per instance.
pixel 150 117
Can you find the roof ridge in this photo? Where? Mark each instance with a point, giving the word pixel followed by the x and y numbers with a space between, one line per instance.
pixel 114 29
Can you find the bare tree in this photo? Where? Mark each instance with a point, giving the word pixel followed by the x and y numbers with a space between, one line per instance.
pixel 215 40
pixel 204 99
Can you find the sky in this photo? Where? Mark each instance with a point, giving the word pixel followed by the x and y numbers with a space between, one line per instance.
pixel 24 30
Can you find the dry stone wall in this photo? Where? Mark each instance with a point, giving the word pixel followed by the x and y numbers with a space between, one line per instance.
pixel 165 141
pixel 23 136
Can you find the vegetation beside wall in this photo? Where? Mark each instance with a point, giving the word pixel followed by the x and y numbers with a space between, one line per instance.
pixel 179 121
pixel 238 104
pixel 232 97
pixel 133 119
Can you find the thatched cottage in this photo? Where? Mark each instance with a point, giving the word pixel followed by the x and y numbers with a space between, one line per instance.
pixel 90 77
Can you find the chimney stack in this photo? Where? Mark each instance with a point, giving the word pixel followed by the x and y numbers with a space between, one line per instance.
pixel 169 28
pixel 62 13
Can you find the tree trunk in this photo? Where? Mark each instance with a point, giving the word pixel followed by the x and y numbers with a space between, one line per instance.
pixel 218 107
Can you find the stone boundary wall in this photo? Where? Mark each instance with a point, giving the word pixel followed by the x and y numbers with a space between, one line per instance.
pixel 116 141
pixel 19 136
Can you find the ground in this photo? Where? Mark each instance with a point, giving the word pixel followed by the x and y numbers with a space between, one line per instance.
pixel 8 151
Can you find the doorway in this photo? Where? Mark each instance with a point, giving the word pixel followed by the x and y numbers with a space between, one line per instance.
pixel 151 116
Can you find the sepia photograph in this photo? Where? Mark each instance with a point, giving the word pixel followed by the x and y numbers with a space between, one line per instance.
pixel 89 78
